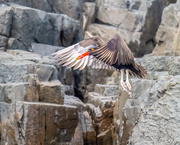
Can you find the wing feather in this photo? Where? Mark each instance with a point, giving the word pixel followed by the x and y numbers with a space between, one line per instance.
pixel 115 51
pixel 67 57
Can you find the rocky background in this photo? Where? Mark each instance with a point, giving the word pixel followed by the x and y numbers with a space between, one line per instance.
pixel 41 103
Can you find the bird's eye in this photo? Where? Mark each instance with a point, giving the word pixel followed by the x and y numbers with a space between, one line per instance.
pixel 92 49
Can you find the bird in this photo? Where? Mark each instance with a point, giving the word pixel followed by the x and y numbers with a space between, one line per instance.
pixel 115 54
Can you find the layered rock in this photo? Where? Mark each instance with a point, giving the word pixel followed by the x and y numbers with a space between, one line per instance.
pixel 69 7
pixel 37 123
pixel 136 21
pixel 168 34
pixel 100 106
pixel 32 98
pixel 142 116
pixel 33 30
pixel 33 26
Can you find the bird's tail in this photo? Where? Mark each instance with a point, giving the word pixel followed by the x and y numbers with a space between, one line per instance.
pixel 138 71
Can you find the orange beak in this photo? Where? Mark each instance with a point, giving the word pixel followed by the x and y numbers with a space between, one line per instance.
pixel 83 55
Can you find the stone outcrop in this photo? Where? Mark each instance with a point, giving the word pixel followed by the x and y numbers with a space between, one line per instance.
pixel 100 105
pixel 168 34
pixel 33 26
pixel 144 115
pixel 136 21
pixel 37 123
pixel 70 8
pixel 89 11
pixel 40 32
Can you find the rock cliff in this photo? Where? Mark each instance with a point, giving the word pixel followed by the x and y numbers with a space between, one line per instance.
pixel 37 102
pixel 136 21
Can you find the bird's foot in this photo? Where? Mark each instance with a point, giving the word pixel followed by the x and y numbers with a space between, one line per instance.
pixel 123 85
pixel 128 85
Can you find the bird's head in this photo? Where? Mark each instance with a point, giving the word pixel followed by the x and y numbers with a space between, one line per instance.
pixel 89 49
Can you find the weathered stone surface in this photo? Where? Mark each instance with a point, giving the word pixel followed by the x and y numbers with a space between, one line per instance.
pixel 89 134
pixel 37 123
pixel 89 10
pixel 74 101
pixel 101 101
pixel 167 36
pixel 107 90
pixel 135 114
pixel 100 106
pixel 29 77
pixel 5 20
pixel 69 7
pixel 160 122
pixel 94 76
pixel 51 92
pixel 107 32
pixel 136 21
pixel 34 26
pixel 12 92
pixel 44 50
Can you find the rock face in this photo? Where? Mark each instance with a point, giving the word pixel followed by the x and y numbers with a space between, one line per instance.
pixel 100 105
pixel 144 116
pixel 33 26
pixel 32 78
pixel 136 21
pixel 69 7
pixel 37 31
pixel 168 33
pixel 38 123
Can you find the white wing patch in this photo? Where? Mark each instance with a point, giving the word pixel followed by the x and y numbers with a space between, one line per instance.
pixel 67 57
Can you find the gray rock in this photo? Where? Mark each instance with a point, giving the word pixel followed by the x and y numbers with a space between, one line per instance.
pixel 167 36
pixel 89 11
pixel 161 118
pixel 89 133
pixel 107 90
pixel 69 7
pixel 44 50
pixel 6 15
pixel 51 92
pixel 29 77
pixel 95 76
pixel 74 101
pixel 36 123
pixel 101 101
pixel 136 21
pixel 34 26
pixel 135 116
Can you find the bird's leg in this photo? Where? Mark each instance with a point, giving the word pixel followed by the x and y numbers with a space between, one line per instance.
pixel 127 80
pixel 122 80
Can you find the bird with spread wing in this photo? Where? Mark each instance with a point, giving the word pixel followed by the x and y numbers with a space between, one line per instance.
pixel 93 52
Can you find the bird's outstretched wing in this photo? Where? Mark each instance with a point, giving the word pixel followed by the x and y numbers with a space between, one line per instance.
pixel 67 57
pixel 114 51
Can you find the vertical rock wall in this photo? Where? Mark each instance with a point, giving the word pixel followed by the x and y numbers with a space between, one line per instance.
pixel 136 21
